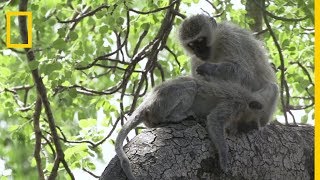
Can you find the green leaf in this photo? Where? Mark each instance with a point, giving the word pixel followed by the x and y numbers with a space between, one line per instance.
pixel 62 32
pixel 54 76
pixel 304 119
pixel 292 48
pixel 73 36
pixel 103 29
pixel 33 162
pixel 119 21
pixel 49 166
pixel 285 43
pixel 51 22
pixel 55 66
pixel 3 178
pixel 5 72
pixel 34 7
pixel 73 93
pixel 145 26
pixel 49 68
pixel 91 166
pixel 66 83
pixel 85 123
pixel 59 44
pixel 13 128
pixel 79 52
pixel 73 152
pixel 100 14
pixel 33 65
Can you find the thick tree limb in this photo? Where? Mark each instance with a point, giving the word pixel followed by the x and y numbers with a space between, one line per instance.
pixel 184 151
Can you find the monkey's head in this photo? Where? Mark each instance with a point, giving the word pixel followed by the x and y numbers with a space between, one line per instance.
pixel 195 35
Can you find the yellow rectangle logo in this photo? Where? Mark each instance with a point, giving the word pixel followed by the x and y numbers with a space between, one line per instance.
pixel 29 27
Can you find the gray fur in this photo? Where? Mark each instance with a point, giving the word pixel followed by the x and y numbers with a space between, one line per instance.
pixel 176 99
pixel 233 55
pixel 233 73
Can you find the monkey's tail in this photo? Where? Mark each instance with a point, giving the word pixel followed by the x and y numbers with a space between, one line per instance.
pixel 127 127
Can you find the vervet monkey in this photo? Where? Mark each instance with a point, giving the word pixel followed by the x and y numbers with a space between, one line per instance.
pixel 227 52
pixel 176 99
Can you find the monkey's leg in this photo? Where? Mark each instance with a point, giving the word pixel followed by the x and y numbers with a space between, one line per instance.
pixel 251 119
pixel 258 115
pixel 223 116
pixel 268 95
pixel 245 127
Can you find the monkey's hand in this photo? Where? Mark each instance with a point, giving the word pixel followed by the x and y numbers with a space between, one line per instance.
pixel 207 69
pixel 223 71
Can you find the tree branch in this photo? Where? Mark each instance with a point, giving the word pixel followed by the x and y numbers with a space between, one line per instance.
pixel 184 151
pixel 282 67
pixel 156 10
pixel 91 13
pixel 41 89
pixel 38 134
pixel 263 8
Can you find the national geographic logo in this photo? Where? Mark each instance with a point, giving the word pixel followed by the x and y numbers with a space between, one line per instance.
pixel 29 26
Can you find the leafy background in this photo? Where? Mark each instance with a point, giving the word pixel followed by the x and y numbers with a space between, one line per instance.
pixel 97 59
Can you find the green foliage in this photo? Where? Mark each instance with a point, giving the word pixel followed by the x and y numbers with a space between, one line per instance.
pixel 87 102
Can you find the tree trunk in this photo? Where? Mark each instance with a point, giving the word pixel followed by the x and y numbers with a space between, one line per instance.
pixel 184 151
pixel 254 12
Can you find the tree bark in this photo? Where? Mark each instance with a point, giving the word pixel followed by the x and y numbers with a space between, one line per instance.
pixel 184 151
pixel 254 12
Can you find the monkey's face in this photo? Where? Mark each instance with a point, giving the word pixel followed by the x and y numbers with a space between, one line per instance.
pixel 196 35
pixel 200 48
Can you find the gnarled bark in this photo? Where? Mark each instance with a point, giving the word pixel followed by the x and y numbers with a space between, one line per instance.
pixel 184 151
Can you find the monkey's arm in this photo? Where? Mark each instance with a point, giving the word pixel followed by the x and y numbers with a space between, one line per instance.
pixel 228 71
pixel 223 70
pixel 224 116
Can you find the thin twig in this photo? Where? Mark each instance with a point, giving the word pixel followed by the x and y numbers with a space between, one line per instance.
pixel 154 11
pixel 91 173
pixel 282 67
pixel 91 13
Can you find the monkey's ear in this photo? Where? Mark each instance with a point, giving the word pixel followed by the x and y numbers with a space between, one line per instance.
pixel 213 21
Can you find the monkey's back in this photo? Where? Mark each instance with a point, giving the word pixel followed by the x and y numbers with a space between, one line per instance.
pixel 240 46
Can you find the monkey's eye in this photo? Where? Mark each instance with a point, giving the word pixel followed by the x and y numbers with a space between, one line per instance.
pixel 190 44
pixel 200 39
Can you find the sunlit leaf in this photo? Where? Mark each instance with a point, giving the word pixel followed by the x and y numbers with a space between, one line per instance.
pixel 85 123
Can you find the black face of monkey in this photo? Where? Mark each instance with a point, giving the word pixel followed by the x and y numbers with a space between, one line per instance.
pixel 200 48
